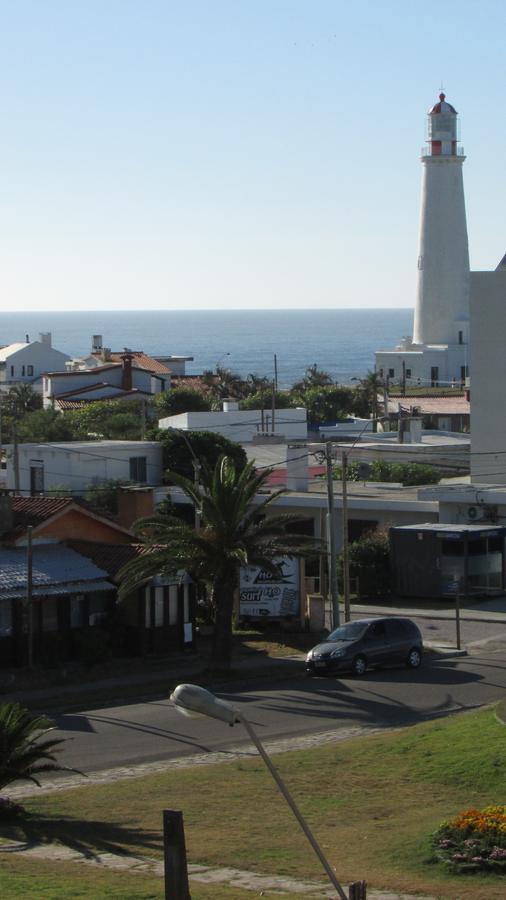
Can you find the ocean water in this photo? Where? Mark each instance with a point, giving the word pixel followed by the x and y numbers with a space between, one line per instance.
pixel 341 341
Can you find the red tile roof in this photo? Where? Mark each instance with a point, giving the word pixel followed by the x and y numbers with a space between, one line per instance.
pixel 35 510
pixel 143 360
pixel 110 557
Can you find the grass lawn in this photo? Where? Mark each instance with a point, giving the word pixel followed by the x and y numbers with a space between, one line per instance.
pixel 373 803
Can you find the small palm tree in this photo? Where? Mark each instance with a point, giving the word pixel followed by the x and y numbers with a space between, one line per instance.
pixel 234 531
pixel 24 752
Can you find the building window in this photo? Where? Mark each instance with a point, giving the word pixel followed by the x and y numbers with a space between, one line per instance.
pixel 29 370
pixel 391 373
pixel 461 337
pixel 138 468
pixel 22 371
pixel 408 373
pixel 12 371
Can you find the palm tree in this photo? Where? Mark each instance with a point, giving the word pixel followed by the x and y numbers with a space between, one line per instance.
pixel 368 389
pixel 234 531
pixel 23 398
pixel 24 752
pixel 313 378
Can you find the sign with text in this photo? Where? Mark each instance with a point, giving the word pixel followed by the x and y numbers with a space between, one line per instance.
pixel 264 594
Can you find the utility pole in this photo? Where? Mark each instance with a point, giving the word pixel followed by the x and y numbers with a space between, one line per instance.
pixel 385 396
pixel 331 539
pixel 29 593
pixel 143 419
pixel 273 407
pixel 15 448
pixel 275 372
pixel 403 378
pixel 346 558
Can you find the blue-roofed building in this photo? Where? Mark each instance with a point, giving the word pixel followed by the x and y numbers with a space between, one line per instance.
pixel 69 593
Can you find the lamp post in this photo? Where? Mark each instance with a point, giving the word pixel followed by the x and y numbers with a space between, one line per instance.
pixel 195 701
pixel 218 364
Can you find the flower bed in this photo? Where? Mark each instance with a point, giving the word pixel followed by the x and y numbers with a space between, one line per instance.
pixel 475 839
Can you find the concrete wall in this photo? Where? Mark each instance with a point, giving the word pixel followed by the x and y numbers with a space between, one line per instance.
pixel 76 465
pixel 488 366
pixel 241 425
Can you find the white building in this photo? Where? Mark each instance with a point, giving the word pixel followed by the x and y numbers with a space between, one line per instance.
pixel 488 360
pixel 242 426
pixel 114 381
pixel 26 360
pixel 438 351
pixel 77 465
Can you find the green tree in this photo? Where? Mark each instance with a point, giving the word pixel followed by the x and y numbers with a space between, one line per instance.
pixel 223 383
pixel 22 399
pixel 44 425
pixel 328 404
pixel 25 750
pixel 180 448
pixel 367 392
pixel 370 563
pixel 181 400
pixel 107 420
pixel 263 400
pixel 234 531
pixel 313 378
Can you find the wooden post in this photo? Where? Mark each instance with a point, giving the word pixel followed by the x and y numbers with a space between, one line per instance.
pixel 176 871
pixel 457 615
pixel 358 890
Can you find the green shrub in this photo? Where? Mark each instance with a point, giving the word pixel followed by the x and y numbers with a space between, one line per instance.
pixel 370 562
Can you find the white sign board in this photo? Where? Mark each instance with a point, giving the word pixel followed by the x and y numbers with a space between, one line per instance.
pixel 263 594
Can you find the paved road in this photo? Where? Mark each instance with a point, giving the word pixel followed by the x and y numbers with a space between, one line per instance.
pixel 143 732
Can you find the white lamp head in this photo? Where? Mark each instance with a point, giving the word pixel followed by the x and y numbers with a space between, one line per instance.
pixel 194 700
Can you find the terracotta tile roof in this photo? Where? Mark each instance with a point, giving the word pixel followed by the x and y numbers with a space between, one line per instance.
pixel 35 510
pixel 71 400
pixel 110 557
pixel 143 360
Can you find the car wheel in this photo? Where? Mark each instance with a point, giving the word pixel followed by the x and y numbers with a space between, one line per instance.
pixel 359 665
pixel 414 658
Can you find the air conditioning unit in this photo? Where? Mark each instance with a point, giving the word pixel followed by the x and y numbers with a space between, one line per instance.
pixel 478 513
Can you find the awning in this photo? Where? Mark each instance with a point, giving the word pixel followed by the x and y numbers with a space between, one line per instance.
pixel 59 590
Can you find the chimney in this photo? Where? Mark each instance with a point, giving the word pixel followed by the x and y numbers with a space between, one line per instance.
pixel 126 375
pixel 96 343
pixel 27 338
pixel 134 503
pixel 45 338
pixel 296 467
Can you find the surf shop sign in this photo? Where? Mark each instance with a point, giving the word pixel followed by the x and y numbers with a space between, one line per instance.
pixel 263 594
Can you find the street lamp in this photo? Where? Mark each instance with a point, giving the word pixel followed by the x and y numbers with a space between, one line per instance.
pixel 195 701
pixel 218 364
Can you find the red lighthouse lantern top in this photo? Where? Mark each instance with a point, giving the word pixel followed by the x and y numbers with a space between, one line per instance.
pixel 442 130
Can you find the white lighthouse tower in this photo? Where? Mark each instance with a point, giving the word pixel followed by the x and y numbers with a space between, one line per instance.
pixel 437 354
pixel 442 301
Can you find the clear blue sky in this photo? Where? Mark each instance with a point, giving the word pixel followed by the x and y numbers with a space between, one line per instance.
pixel 191 154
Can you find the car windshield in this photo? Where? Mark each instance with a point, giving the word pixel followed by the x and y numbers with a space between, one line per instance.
pixel 349 632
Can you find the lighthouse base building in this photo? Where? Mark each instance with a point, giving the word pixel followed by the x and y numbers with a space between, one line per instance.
pixel 437 353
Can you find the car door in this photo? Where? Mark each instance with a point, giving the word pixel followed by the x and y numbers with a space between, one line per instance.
pixel 376 646
pixel 398 640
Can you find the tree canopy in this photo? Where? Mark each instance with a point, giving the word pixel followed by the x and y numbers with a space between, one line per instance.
pixel 181 400
pixel 206 446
